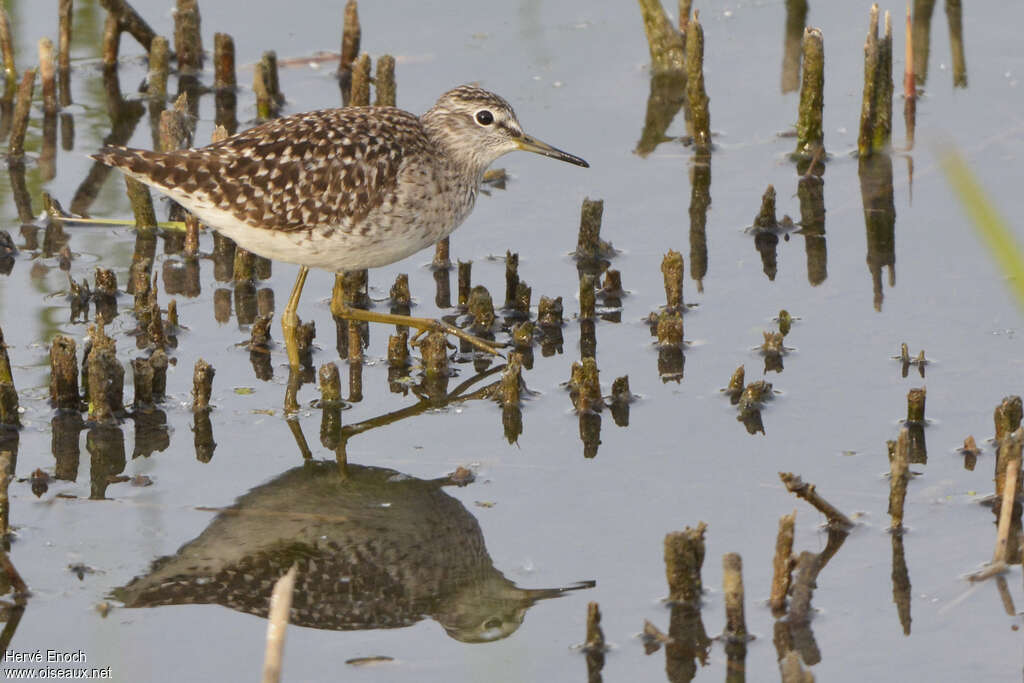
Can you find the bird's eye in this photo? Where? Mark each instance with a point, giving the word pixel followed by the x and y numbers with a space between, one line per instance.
pixel 484 117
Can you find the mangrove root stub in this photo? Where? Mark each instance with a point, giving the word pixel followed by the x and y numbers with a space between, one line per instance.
pixel 732 588
pixel 442 255
pixel 736 383
pixel 481 308
pixel 585 386
pixel 595 636
pixel 385 83
pixel 224 61
pixel 360 93
pixel 782 565
pixel 400 294
pixel 1009 450
pixel 589 246
pixel 684 558
pixel 434 349
pixel 9 405
pixel 876 106
pixel 351 34
pixel 465 280
pixel 808 492
pixel 1007 416
pixel 672 271
pixel 915 405
pixel 159 67
pixel 765 218
pixel 259 338
pixel 158 360
pixel 549 312
pixel 330 383
pixel 670 330
pixel 19 125
pixel 188 43
pixel 594 647
pixel 810 134
pixel 202 385
pixel 47 76
pixel 7 53
pixel 696 95
pixel 785 322
pixel 511 278
pixel 512 381
pixel 63 374
pixel 899 475
pixel 398 350
pixel 106 384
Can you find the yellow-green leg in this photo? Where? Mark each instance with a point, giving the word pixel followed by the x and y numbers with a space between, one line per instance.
pixel 290 318
pixel 424 324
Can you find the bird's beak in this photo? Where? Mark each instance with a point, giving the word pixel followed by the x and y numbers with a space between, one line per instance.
pixel 531 144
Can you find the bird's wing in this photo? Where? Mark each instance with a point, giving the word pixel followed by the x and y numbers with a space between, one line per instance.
pixel 325 168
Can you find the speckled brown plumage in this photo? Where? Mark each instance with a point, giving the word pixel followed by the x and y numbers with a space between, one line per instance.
pixel 323 168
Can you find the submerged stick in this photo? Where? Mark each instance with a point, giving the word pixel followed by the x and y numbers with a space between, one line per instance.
pixel 1009 494
pixel 808 492
pixel 130 21
pixel 277 624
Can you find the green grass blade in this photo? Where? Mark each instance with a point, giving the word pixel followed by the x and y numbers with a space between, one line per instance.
pixel 994 230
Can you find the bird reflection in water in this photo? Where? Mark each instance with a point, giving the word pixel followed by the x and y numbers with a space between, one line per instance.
pixel 375 548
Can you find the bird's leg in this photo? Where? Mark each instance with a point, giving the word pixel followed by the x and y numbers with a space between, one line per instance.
pixel 425 324
pixel 290 319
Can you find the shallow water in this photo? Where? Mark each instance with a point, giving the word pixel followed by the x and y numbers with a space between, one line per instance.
pixel 550 518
